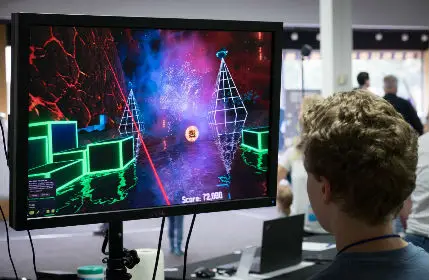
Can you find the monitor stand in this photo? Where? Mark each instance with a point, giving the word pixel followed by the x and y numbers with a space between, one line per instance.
pixel 119 259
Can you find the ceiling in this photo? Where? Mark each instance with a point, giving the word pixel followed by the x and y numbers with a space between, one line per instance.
pixel 410 14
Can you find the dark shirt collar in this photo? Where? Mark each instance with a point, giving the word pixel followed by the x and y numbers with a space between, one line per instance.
pixel 390 96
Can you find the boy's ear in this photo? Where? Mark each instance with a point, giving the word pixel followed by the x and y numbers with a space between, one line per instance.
pixel 326 189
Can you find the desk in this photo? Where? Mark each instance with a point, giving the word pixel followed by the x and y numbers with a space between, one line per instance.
pixel 301 274
pixel 327 255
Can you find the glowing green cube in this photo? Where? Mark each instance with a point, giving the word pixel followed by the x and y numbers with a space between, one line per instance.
pixel 38 153
pixel 255 139
pixel 74 154
pixel 111 155
pixel 60 135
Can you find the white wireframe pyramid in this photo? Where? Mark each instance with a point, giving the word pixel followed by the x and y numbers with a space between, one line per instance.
pixel 228 114
pixel 132 119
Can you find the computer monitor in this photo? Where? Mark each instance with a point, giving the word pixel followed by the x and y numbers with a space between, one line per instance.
pixel 118 118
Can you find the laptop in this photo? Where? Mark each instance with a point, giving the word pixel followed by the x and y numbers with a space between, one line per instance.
pixel 281 244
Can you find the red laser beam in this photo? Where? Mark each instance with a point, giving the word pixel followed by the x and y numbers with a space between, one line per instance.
pixel 164 194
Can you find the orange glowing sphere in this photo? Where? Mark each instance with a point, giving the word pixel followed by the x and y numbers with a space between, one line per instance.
pixel 192 133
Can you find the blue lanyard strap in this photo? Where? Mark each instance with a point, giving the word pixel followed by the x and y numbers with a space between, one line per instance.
pixel 368 240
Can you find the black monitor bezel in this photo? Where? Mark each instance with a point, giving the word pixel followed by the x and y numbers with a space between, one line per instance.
pixel 18 131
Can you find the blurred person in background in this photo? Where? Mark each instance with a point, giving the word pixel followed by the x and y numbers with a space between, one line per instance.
pixel 175 233
pixel 284 199
pixel 401 105
pixel 427 123
pixel 102 230
pixel 291 162
pixel 363 80
pixel 415 213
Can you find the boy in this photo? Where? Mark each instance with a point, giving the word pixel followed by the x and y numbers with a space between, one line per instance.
pixel 361 157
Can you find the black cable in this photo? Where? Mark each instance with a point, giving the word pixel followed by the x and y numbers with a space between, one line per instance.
pixel 4 143
pixel 105 242
pixel 8 243
pixel 159 248
pixel 34 254
pixel 187 245
pixel 2 213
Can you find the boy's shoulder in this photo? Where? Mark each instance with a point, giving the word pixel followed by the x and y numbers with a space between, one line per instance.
pixel 408 263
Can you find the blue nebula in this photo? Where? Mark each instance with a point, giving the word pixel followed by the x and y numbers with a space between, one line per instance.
pixel 142 69
pixel 166 78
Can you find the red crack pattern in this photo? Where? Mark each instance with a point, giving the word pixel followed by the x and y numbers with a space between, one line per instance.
pixel 75 74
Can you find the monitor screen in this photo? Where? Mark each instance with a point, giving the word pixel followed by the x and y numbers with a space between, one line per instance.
pixel 125 118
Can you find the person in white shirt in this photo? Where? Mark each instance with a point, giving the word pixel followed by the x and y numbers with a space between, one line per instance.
pixel 418 220
pixel 292 162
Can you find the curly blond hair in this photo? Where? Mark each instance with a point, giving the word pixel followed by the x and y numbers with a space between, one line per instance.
pixel 310 100
pixel 365 149
pixel 307 103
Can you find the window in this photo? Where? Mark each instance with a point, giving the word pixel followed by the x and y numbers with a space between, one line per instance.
pixel 407 66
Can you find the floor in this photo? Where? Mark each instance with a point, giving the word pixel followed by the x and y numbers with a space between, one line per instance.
pixel 67 248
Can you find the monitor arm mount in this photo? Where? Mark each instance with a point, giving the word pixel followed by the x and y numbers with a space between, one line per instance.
pixel 118 258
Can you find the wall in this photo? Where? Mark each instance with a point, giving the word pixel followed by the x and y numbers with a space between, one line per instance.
pixel 394 13
pixel 4 171
pixel 3 88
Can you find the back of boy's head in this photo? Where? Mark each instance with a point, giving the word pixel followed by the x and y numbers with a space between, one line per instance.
pixel 309 100
pixel 366 151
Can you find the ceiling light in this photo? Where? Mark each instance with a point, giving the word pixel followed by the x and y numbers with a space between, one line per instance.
pixel 294 36
pixel 379 36
pixel 405 37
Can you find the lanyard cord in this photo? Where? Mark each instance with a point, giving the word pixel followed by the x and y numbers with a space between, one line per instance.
pixel 368 240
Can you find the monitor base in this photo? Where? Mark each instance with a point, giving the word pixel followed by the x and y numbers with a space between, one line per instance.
pixel 119 259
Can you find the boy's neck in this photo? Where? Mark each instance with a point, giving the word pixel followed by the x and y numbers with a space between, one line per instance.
pixel 348 231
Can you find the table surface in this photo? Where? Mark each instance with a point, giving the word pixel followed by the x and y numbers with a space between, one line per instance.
pixel 304 273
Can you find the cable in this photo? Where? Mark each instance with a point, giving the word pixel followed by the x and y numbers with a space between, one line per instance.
pixel 8 243
pixel 2 213
pixel 4 143
pixel 187 245
pixel 159 248
pixel 34 254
